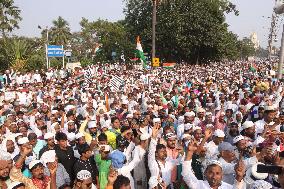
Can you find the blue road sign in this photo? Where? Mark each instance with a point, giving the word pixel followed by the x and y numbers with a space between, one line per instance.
pixel 55 51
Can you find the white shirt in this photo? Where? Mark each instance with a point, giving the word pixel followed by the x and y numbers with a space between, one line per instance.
pixel 180 131
pixel 154 165
pixel 193 183
pixel 211 151
pixel 229 168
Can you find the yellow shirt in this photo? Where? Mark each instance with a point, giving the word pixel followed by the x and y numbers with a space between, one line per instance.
pixel 82 130
pixel 111 139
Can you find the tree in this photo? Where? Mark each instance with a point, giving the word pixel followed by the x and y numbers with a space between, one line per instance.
pixel 246 48
pixel 9 16
pixel 109 36
pixel 189 30
pixel 60 32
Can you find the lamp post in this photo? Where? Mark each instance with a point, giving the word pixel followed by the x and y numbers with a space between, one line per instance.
pixel 46 44
pixel 154 21
pixel 279 9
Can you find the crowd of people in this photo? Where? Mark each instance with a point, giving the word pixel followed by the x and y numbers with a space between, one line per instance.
pixel 213 126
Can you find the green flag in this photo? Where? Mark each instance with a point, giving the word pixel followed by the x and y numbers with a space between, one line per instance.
pixel 140 53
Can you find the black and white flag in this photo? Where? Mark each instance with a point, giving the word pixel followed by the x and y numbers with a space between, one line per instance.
pixel 116 82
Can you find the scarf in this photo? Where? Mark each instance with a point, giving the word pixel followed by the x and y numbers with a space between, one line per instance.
pixel 41 184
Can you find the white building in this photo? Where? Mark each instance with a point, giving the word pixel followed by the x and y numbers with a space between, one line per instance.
pixel 254 40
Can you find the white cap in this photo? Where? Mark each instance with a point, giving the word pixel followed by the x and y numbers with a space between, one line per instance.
pixel 248 124
pixel 83 175
pixel 129 116
pixel 208 113
pixel 48 136
pixel 33 163
pixel 185 136
pixel 238 138
pixel 219 133
pixel 17 134
pixel 144 136
pixel 71 121
pixel 92 124
pixel 189 114
pixel 5 156
pixel 23 140
pixel 14 184
pixel 200 110
pixel 71 136
pixel 196 128
pixel 188 126
pixel 106 147
pixel 125 101
pixel 48 157
pixel 156 120
pixel 269 108
pixel 209 125
pixel 170 136
pixel 54 111
pixel 214 162
pixel 252 171
pixel 54 124
pixel 79 135
pixel 69 107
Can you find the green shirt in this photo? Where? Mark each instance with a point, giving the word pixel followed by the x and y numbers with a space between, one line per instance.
pixel 103 166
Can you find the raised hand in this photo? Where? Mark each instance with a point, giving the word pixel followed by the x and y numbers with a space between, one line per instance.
pixel 240 170
pixel 208 133
pixel 112 176
pixel 155 131
pixel 52 167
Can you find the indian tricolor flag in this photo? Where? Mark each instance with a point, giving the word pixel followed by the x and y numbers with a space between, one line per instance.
pixel 140 53
pixel 169 65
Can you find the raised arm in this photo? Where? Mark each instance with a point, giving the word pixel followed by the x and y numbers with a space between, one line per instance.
pixel 188 176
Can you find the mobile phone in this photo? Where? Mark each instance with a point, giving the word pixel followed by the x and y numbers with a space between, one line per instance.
pixel 270 169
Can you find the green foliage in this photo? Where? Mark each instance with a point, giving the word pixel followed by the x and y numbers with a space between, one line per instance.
pixel 109 36
pixel 23 54
pixel 9 16
pixel 186 29
pixel 60 32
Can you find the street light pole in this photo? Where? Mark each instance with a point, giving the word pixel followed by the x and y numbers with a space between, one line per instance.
pixel 47 60
pixel 280 65
pixel 271 35
pixel 154 21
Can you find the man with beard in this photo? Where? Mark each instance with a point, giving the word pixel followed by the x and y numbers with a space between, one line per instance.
pixel 232 132
pixel 269 114
pixel 159 165
pixel 188 118
pixel 249 133
pixel 50 144
pixel 65 154
pixel 38 180
pixel 92 128
pixel 5 168
pixel 213 173
pixel 172 153
pixel 71 128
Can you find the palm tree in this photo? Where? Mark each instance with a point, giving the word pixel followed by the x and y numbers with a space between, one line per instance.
pixel 9 16
pixel 16 52
pixel 60 32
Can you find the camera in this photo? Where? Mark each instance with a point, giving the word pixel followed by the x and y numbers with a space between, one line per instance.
pixel 270 169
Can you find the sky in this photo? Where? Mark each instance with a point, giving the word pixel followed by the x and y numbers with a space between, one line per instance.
pixel 253 15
